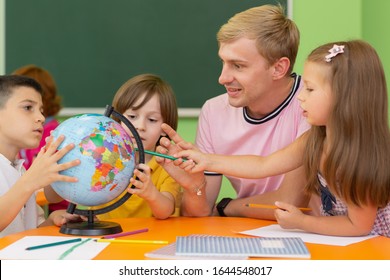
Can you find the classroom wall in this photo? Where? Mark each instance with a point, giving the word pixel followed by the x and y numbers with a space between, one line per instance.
pixel 322 21
pixel 375 29
pixel 319 21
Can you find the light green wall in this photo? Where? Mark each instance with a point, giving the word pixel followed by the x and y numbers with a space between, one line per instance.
pixel 376 24
pixel 322 21
pixel 187 128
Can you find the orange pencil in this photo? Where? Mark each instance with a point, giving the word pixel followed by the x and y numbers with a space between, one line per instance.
pixel 266 206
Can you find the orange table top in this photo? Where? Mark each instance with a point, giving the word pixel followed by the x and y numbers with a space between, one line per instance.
pixel 375 248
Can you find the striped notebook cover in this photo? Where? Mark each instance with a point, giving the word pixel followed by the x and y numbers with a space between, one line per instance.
pixel 283 247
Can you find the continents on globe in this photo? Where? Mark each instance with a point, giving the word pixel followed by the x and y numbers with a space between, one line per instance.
pixel 107 159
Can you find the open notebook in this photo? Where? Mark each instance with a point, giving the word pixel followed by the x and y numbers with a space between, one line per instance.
pixel 241 246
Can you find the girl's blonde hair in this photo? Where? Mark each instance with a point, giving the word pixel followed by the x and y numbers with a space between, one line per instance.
pixel 148 84
pixel 357 149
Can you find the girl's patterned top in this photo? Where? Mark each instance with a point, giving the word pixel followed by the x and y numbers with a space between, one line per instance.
pixel 334 206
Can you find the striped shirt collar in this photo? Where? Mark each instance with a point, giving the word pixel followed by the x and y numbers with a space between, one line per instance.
pixel 274 113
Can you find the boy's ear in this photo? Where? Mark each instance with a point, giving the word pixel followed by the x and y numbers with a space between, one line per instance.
pixel 281 67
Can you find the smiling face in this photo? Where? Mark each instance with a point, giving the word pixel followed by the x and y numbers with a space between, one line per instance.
pixel 245 74
pixel 147 120
pixel 316 95
pixel 21 121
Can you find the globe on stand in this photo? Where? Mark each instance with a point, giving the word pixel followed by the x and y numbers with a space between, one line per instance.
pixel 107 158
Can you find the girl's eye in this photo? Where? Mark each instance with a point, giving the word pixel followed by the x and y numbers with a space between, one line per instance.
pixel 237 66
pixel 28 108
pixel 152 120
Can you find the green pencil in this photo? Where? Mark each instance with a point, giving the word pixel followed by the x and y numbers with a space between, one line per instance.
pixel 53 244
pixel 160 155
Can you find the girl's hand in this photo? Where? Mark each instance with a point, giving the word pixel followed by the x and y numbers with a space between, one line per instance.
pixel 144 186
pixel 173 143
pixel 288 216
pixel 195 162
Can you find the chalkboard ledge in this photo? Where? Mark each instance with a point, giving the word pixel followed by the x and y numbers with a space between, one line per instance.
pixel 69 112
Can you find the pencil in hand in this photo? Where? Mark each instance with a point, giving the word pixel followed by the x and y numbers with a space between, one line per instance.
pixel 267 206
pixel 160 155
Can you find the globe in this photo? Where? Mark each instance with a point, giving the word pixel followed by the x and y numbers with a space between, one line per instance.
pixel 107 159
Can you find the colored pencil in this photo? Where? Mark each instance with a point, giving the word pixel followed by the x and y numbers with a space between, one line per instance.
pixel 53 244
pixel 132 241
pixel 160 155
pixel 266 206
pixel 125 233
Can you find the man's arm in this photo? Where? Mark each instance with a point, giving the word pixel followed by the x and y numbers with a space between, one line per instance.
pixel 201 203
pixel 291 190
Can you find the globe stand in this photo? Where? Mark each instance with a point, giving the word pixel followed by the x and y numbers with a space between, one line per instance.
pixel 92 227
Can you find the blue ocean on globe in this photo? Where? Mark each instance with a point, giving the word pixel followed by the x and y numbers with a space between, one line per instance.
pixel 107 159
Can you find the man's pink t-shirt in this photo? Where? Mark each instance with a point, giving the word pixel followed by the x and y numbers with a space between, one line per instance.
pixel 223 129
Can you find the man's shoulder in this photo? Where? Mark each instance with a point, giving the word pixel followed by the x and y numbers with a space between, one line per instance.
pixel 219 99
pixel 219 109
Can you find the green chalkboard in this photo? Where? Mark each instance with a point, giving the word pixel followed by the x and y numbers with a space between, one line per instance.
pixel 93 46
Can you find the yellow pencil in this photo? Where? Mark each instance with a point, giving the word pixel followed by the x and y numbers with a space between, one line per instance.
pixel 133 241
pixel 266 206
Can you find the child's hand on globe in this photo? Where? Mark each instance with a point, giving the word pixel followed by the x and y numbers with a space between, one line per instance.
pixel 45 168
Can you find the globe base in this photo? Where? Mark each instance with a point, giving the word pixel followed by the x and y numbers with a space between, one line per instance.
pixel 91 229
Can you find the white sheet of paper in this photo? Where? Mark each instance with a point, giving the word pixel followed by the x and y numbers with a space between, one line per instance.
pixel 277 231
pixel 17 250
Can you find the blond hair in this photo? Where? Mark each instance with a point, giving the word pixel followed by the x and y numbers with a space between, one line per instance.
pixel 276 35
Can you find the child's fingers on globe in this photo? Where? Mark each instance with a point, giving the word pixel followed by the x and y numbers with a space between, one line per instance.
pixel 60 153
pixel 68 179
pixel 75 162
pixel 56 143
pixel 67 165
